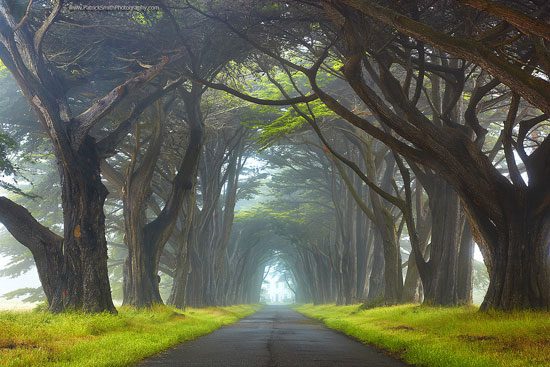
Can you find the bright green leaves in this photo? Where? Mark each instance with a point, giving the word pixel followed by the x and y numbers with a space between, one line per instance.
pixel 148 17
pixel 269 214
pixel 3 69
pixel 290 120
pixel 273 123
pixel 284 125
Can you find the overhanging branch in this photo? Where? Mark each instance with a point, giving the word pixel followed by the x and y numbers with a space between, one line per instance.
pixel 87 119
pixel 533 89
pixel 25 228
pixel 107 145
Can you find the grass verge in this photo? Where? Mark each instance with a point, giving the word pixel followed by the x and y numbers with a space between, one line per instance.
pixel 450 337
pixel 77 339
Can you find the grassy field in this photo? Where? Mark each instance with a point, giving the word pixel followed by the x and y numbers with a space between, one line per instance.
pixel 76 339
pixel 447 337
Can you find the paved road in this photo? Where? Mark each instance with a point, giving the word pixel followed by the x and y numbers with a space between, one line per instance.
pixel 275 336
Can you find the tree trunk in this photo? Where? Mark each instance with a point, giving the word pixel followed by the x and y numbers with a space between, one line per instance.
pixel 364 258
pixel 441 281
pixel 141 282
pixel 411 286
pixel 393 276
pixel 465 266
pixel 141 287
pixel 146 241
pixel 86 279
pixel 509 216
pixel 519 268
pixel 376 279
pixel 393 280
pixel 183 259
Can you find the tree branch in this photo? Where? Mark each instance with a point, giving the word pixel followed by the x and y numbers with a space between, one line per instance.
pixel 87 119
pixel 533 89
pixel 107 144
pixel 524 23
pixel 246 97
pixel 508 143
pixel 41 32
pixel 25 17
pixel 25 228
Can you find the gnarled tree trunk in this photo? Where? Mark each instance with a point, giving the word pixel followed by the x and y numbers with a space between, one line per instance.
pixel 519 268
pixel 440 283
pixel 146 240
pixel 85 275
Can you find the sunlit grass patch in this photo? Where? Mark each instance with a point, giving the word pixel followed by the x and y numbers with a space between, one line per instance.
pixel 441 336
pixel 77 339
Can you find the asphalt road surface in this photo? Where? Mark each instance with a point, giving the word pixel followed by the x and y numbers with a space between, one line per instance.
pixel 275 336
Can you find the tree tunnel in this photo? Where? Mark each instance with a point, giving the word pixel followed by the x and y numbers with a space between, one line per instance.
pixel 364 165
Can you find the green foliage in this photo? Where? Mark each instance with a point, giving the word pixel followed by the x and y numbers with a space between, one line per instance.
pixel 7 145
pixel 288 122
pixel 147 18
pixel 20 139
pixel 76 339
pixel 298 225
pixel 268 214
pixel 274 122
pixel 7 168
pixel 27 294
pixel 439 336
pixel 282 126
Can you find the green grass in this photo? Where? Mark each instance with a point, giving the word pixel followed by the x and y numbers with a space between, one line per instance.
pixel 449 337
pixel 77 339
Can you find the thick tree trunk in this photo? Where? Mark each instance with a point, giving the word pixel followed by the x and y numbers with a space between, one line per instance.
pixel 84 283
pixel 141 281
pixel 86 279
pixel 49 265
pixel 393 278
pixel 509 215
pixel 519 268
pixel 141 284
pixel 413 290
pixel 393 275
pixel 146 241
pixel 441 281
